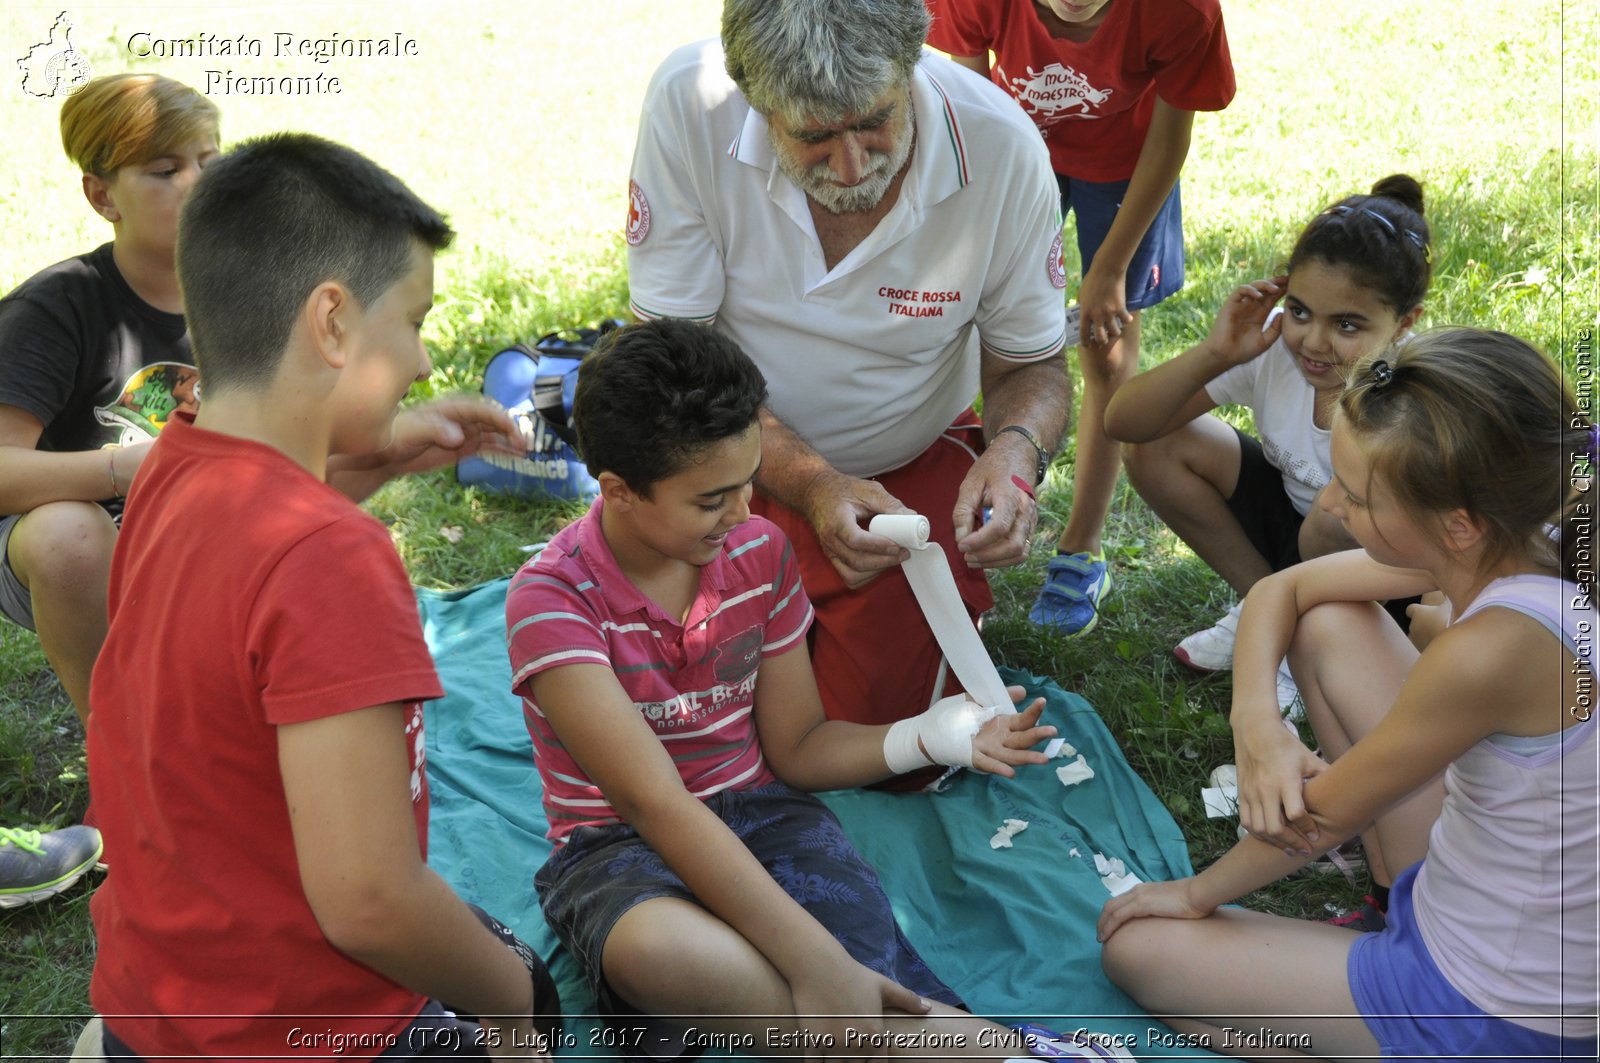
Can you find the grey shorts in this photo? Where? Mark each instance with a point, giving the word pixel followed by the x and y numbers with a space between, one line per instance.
pixel 15 601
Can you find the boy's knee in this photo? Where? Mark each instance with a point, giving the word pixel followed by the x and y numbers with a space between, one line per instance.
pixel 634 959
pixel 63 547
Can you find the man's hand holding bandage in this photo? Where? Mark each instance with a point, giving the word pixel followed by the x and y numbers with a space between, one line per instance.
pixel 979 729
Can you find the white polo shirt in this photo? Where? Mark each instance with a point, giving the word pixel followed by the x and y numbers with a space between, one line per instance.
pixel 872 360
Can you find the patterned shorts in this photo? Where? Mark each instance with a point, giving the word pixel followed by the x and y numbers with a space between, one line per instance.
pixel 589 883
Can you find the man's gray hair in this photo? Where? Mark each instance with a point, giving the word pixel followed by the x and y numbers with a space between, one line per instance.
pixel 820 59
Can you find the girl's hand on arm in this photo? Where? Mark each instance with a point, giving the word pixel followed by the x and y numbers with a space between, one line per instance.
pixel 1008 739
pixel 1450 701
pixel 1165 900
pixel 1273 768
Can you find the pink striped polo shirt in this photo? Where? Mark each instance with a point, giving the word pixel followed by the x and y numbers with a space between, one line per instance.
pixel 693 682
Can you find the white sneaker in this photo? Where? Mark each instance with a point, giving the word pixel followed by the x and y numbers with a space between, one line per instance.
pixel 1211 650
pixel 1289 694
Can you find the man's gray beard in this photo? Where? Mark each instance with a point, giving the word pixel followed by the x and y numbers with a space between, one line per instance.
pixel 864 195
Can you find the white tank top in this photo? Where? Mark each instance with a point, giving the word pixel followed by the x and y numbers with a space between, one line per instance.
pixel 1508 896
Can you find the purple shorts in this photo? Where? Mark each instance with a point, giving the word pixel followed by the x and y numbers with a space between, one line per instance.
pixel 1415 1013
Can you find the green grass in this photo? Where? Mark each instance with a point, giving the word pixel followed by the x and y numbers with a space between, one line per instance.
pixel 518 120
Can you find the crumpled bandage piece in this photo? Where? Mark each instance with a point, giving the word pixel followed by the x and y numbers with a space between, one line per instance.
pixel 1059 747
pixel 1114 875
pixel 946 731
pixel 1008 830
pixel 1220 795
pixel 1076 772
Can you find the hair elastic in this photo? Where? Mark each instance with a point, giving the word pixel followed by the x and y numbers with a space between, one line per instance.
pixel 1344 210
pixel 1382 374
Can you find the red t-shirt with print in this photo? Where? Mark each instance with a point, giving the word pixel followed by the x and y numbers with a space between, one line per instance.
pixel 1092 99
pixel 245 595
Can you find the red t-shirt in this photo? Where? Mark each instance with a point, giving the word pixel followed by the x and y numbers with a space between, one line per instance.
pixel 1092 101
pixel 245 594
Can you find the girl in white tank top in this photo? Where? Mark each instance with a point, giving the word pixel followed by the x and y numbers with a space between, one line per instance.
pixel 1469 768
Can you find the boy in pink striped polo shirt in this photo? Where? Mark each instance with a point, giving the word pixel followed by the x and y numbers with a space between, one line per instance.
pixel 659 646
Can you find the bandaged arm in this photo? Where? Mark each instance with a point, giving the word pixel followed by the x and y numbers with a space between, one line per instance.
pixel 941 735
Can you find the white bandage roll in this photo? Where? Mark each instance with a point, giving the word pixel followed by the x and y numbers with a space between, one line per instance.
pixel 931 581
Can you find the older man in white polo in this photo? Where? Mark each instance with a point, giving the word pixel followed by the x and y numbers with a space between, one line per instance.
pixel 880 231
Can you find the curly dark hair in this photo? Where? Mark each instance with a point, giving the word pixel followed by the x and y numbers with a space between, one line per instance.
pixel 652 396
pixel 1381 238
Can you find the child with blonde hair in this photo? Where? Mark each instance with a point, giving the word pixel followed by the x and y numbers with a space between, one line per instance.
pixel 1451 456
pixel 94 357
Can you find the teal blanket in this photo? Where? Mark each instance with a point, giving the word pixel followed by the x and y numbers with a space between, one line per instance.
pixel 1011 930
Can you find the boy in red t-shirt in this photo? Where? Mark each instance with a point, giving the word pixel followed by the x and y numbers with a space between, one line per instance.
pixel 257 745
pixel 1113 86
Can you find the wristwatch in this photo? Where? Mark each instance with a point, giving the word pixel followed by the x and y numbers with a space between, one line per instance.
pixel 1044 455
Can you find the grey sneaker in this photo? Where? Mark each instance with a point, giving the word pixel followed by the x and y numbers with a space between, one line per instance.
pixel 34 866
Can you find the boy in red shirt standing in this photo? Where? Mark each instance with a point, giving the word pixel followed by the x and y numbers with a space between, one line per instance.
pixel 256 742
pixel 1113 86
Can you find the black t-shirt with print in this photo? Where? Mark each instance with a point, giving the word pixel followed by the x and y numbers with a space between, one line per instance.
pixel 92 361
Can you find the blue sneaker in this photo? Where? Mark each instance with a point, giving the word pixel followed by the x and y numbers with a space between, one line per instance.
pixel 1074 586
pixel 34 866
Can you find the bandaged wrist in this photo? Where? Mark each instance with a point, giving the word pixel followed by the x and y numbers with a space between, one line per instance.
pixel 900 749
pixel 945 731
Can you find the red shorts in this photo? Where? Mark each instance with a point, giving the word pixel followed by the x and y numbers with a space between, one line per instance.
pixel 875 657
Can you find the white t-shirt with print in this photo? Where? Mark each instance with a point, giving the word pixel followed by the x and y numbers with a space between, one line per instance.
pixel 1283 404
